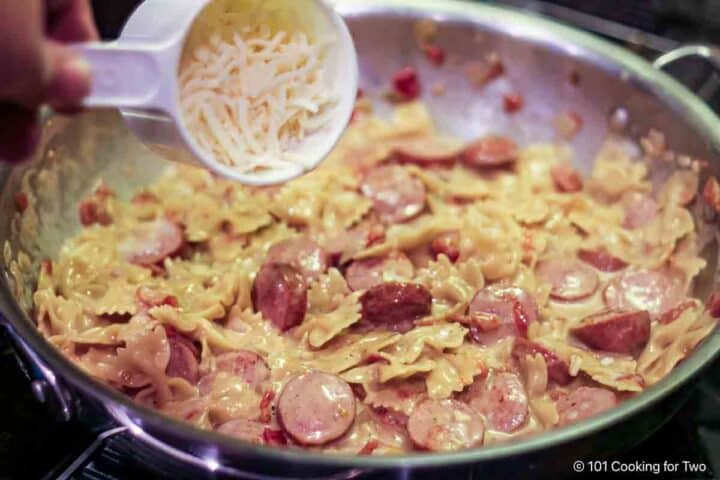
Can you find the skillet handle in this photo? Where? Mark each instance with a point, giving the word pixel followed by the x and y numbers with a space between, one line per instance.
pixel 710 53
pixel 44 383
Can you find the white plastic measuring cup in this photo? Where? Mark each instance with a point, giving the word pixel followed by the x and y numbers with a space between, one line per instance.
pixel 138 74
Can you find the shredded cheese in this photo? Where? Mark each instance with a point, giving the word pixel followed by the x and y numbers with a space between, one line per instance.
pixel 248 100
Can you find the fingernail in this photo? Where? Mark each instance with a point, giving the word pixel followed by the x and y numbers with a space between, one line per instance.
pixel 78 68
pixel 70 84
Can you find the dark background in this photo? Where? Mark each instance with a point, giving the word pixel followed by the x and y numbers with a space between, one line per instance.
pixel 33 444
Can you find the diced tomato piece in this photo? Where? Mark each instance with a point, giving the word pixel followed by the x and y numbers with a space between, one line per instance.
pixel 21 201
pixel 434 54
pixel 513 102
pixel 407 84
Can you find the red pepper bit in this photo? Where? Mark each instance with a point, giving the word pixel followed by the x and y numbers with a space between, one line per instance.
pixel 266 406
pixel 376 234
pixel 520 318
pixel 47 266
pixel 21 202
pixel 369 447
pixel 513 102
pixel 170 301
pixel 713 304
pixel 406 84
pixel 274 437
pixel 434 54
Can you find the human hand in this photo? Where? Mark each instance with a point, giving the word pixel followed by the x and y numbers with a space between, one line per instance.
pixel 36 68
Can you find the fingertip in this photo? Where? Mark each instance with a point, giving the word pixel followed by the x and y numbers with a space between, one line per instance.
pixel 70 83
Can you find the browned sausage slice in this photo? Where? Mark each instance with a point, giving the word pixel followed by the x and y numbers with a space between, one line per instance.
pixel 445 425
pixel 247 430
pixel 558 370
pixel 151 242
pixel 566 178
pixel 397 196
pixel 640 209
pixel 303 254
pixel 502 400
pixel 248 365
pixel 584 402
pixel 316 408
pixel 601 259
pixel 184 356
pixel 490 152
pixel 569 279
pixel 280 295
pixel 618 331
pixel 395 306
pixel 426 152
pixel 653 290
pixel 369 272
pixel 512 309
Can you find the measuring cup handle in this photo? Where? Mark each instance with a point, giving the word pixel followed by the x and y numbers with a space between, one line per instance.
pixel 130 76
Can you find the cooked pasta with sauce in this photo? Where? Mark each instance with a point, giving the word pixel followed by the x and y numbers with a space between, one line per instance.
pixel 413 293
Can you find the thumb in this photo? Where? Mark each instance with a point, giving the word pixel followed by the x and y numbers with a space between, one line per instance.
pixel 70 78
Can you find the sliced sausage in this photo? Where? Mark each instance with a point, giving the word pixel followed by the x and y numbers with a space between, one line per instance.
pixel 490 152
pixel 569 279
pixel 601 259
pixel 369 272
pixel 502 400
pixel 316 408
pixel 447 244
pixel 501 312
pixel 245 364
pixel 640 209
pixel 584 402
pixel 303 254
pixel 397 196
pixel 152 242
pixel 445 425
pixel 395 306
pixel 653 290
pixel 557 369
pixel 426 153
pixel 247 430
pixel 184 356
pixel 566 178
pixel 280 294
pixel 618 331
